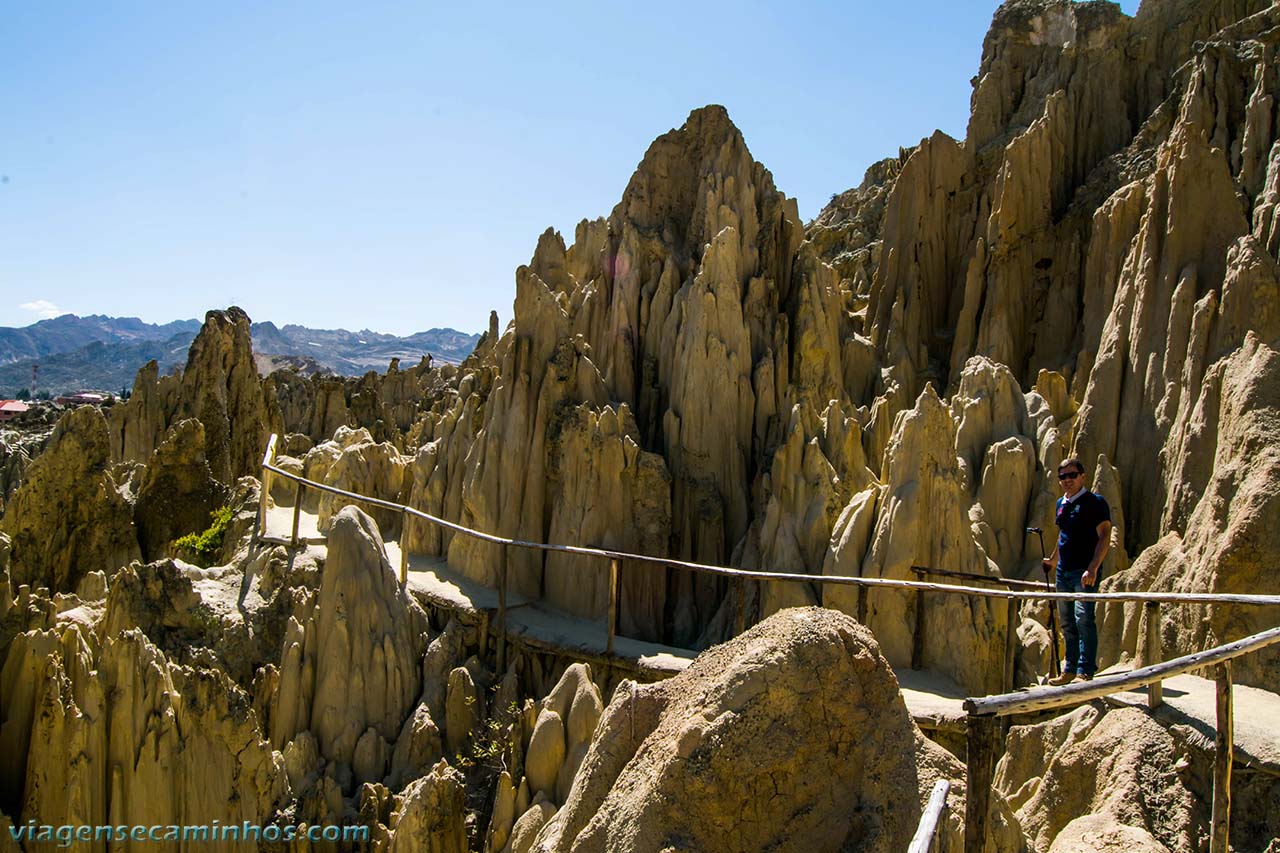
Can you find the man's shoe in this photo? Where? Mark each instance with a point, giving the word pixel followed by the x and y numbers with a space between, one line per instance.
pixel 1081 678
pixel 1066 678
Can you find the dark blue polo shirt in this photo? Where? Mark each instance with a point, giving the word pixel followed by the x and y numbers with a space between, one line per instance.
pixel 1078 522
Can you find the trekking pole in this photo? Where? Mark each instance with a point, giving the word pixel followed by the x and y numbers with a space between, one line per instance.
pixel 1053 609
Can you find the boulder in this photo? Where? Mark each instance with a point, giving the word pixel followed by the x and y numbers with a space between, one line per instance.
pixel 747 749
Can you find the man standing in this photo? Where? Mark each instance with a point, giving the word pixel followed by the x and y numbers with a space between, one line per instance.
pixel 1084 535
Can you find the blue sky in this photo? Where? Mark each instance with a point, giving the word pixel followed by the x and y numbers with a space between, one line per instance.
pixel 388 165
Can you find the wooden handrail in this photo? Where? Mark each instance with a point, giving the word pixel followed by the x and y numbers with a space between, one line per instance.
pixel 984 724
pixel 985 734
pixel 931 820
pixel 1047 698
pixel 1011 583
pixel 790 577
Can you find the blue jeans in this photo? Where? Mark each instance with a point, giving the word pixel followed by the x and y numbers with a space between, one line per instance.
pixel 1078 627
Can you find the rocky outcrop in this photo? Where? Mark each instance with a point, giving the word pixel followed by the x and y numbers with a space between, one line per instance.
pixel 123 736
pixel 349 674
pixel 73 513
pixel 178 492
pixel 1227 511
pixel 219 386
pixel 1090 778
pixel 747 749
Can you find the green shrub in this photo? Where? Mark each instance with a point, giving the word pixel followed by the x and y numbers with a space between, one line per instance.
pixel 202 548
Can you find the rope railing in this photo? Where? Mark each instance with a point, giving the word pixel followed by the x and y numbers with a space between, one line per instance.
pixel 984 712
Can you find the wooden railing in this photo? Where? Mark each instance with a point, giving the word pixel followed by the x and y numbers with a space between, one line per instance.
pixel 932 826
pixel 984 713
pixel 985 735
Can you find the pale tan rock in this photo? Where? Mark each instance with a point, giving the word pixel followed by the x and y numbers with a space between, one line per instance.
pixel 545 754
pixel 369 760
pixel 178 493
pixel 354 664
pixel 417 749
pixel 1094 834
pixel 219 385
pixel 430 814
pixel 923 520
pixel 504 817
pixel 302 761
pixel 464 711
pixel 1120 766
pixel 703 757
pixel 1232 524
pixel 607 493
pixel 92 587
pixel 174 745
pixel 70 517
pixel 529 824
pixel 365 468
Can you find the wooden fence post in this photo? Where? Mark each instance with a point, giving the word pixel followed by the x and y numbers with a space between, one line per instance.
pixel 983 741
pixel 1223 748
pixel 297 514
pixel 404 547
pixel 502 608
pixel 1152 652
pixel 917 639
pixel 1010 645
pixel 613 604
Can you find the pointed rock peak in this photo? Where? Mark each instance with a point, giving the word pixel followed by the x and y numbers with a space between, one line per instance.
pixel 548 261
pixel 684 172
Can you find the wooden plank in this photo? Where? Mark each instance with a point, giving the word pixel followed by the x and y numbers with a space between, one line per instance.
pixel 983 741
pixel 1223 749
pixel 1044 698
pixel 1152 652
pixel 927 831
pixel 613 605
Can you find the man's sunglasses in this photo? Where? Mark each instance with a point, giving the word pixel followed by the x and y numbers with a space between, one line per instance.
pixel 1070 475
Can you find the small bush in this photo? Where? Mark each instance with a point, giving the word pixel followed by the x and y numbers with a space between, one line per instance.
pixel 202 548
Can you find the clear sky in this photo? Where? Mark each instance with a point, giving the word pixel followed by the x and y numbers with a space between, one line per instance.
pixel 388 165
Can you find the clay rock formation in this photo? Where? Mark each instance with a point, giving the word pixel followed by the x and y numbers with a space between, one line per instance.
pixel 219 386
pixel 1229 491
pixel 73 513
pixel 178 492
pixel 751 749
pixel 694 345
pixel 115 733
pixel 350 674
pixel 1088 775
pixel 430 814
pixel 357 464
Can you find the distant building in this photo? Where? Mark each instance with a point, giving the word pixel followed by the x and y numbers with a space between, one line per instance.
pixel 84 398
pixel 11 409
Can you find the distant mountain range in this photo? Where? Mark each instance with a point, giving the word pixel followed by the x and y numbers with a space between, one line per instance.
pixel 104 353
